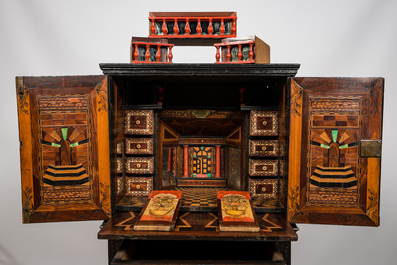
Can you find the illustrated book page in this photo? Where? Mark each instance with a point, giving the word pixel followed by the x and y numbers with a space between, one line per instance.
pixel 236 212
pixel 160 212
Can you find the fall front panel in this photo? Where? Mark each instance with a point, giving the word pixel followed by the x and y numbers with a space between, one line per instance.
pixel 330 180
pixel 63 124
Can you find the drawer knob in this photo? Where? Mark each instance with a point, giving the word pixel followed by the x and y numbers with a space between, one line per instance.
pixel 138 165
pixel 138 146
pixel 263 189
pixel 264 123
pixel 138 187
pixel 264 168
pixel 137 122
pixel 263 148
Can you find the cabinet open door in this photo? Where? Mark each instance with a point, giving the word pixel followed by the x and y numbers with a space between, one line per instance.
pixel 335 150
pixel 64 148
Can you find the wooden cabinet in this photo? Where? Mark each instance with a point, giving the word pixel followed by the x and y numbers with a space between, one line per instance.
pixel 307 149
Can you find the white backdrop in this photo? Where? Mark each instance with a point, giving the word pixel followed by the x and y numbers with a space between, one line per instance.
pixel 328 38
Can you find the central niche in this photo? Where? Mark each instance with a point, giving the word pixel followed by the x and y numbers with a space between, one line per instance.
pixel 202 161
pixel 201 148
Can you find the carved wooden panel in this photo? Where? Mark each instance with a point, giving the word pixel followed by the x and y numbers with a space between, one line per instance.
pixel 329 181
pixel 64 136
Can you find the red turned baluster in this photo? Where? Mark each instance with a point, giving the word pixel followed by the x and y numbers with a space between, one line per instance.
pixel 158 55
pixel 187 28
pixel 147 54
pixel 136 53
pixel 239 54
pixel 199 30
pixel 222 29
pixel 170 54
pixel 234 27
pixel 165 31
pixel 218 55
pixel 228 55
pixel 185 161
pixel 176 30
pixel 251 53
pixel 218 161
pixel 153 28
pixel 210 28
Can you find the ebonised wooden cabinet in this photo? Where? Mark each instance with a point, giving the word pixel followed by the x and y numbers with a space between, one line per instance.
pixel 307 149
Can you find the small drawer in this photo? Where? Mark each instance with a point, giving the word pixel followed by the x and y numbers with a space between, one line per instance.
pixel 119 147
pixel 139 146
pixel 138 122
pixel 141 252
pixel 139 186
pixel 263 167
pixel 139 165
pixel 263 148
pixel 119 168
pixel 263 123
pixel 120 185
pixel 263 188
pixel 201 183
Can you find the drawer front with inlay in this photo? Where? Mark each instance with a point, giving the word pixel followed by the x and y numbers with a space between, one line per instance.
pixel 263 123
pixel 119 161
pixel 138 122
pixel 139 146
pixel 139 165
pixel 263 188
pixel 139 186
pixel 263 148
pixel 263 167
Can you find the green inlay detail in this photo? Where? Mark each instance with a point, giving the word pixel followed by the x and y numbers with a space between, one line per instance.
pixel 55 145
pixel 209 175
pixel 194 175
pixel 194 155
pixel 209 156
pixel 202 147
pixel 335 135
pixel 325 146
pixel 74 144
pixel 64 133
pixel 343 146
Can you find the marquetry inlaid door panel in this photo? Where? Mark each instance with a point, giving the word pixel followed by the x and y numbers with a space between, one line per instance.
pixel 335 150
pixel 64 139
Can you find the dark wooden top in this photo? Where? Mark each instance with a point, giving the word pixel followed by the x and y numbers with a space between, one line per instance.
pixel 200 70
pixel 198 226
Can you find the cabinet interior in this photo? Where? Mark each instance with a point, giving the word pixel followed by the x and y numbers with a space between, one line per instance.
pixel 204 121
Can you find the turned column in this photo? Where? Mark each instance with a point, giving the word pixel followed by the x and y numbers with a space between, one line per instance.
pixel 185 161
pixel 218 161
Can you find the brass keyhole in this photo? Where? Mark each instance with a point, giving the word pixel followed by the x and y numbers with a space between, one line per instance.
pixel 137 122
pixel 138 165
pixel 138 187
pixel 264 123
pixel 264 168
pixel 263 148
pixel 138 146
pixel 264 189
